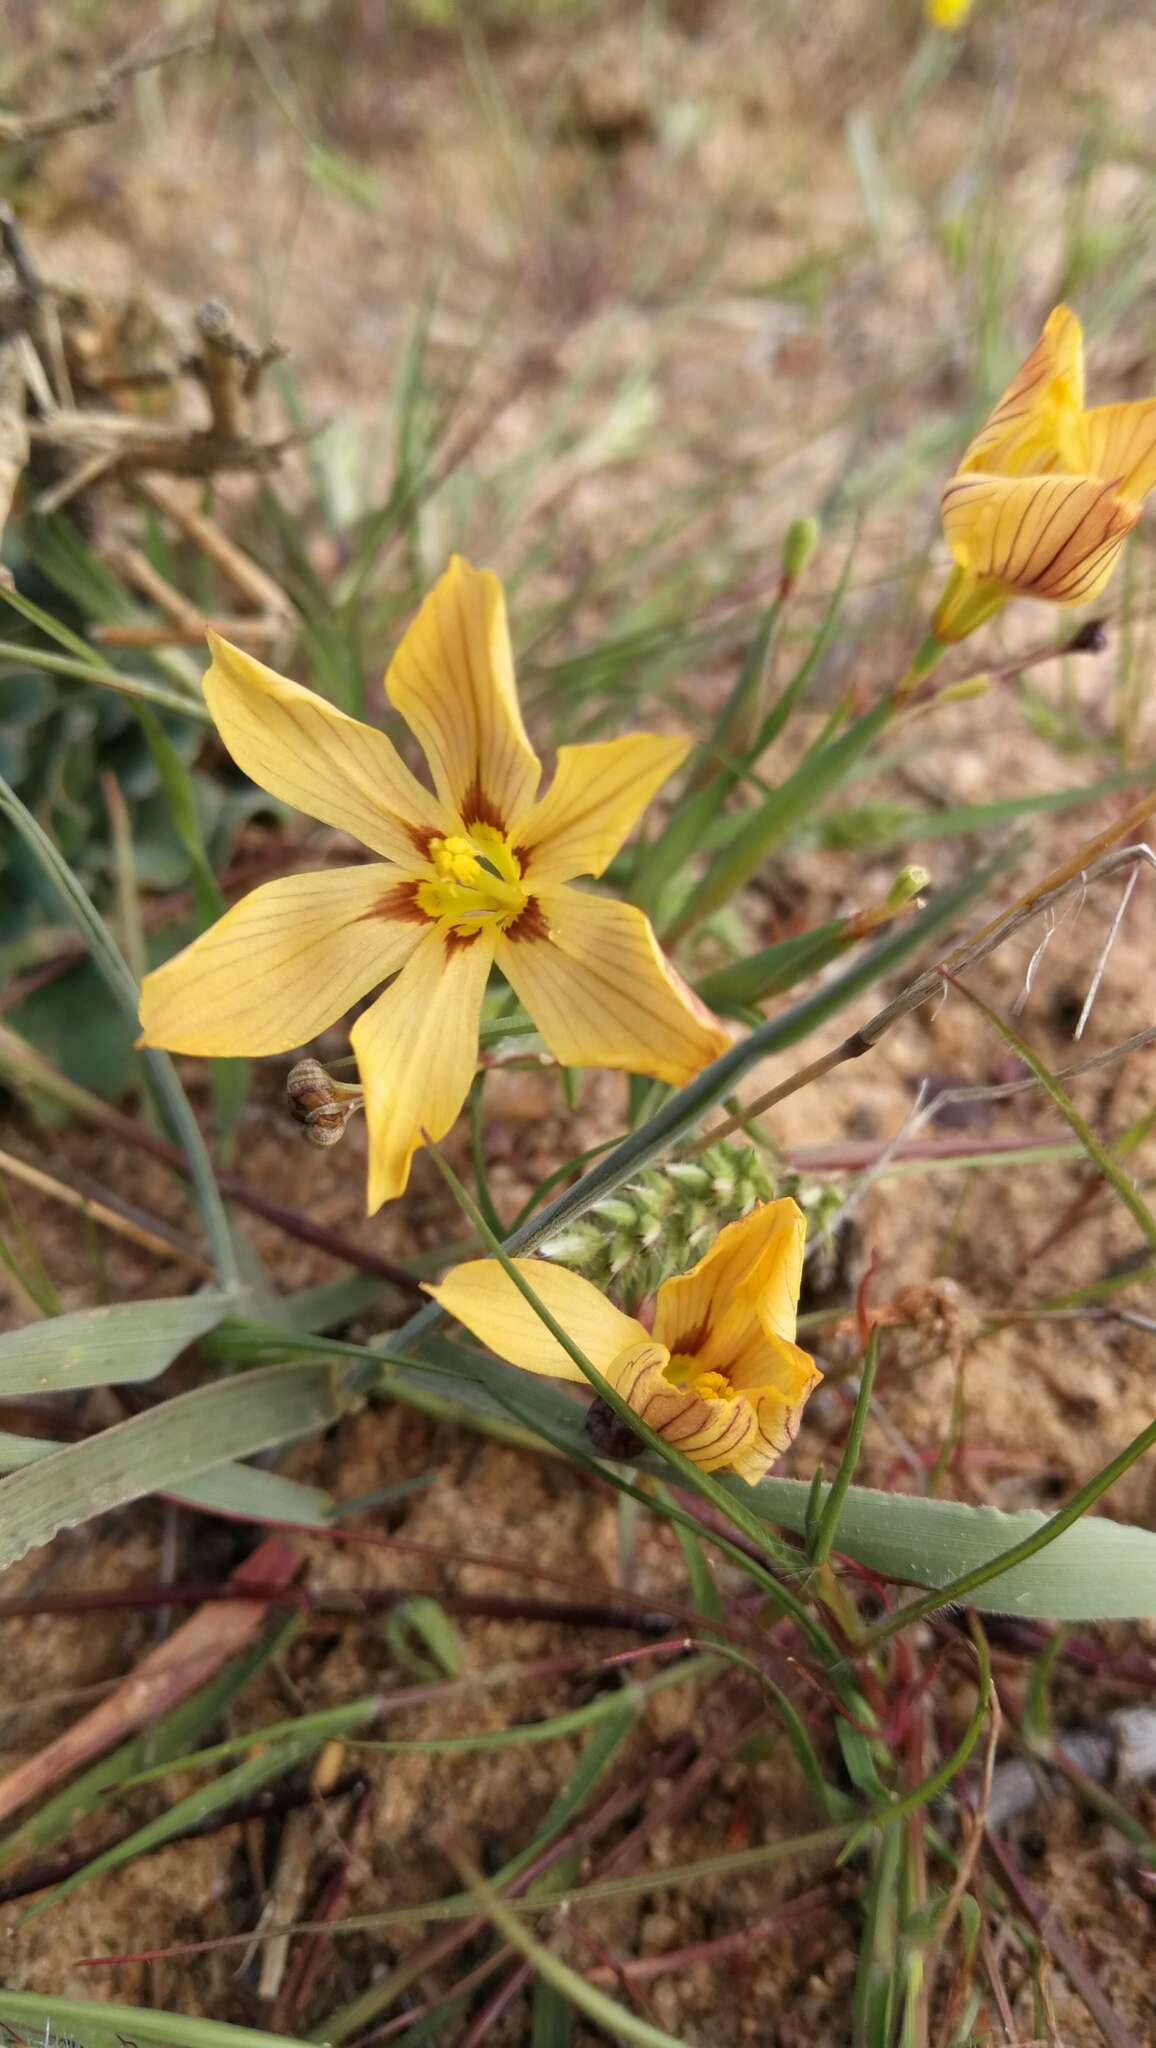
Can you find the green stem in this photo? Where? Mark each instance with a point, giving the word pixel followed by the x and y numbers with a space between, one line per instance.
pixel 833 1505
pixel 107 678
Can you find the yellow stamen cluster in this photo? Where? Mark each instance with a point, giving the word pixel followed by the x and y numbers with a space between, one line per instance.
pixel 479 881
pixel 711 1386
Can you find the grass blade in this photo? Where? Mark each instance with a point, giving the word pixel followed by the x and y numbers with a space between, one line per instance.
pixel 156 1451
pixel 162 1075
pixel 128 1341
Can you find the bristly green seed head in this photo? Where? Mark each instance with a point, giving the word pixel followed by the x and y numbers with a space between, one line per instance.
pixel 663 1222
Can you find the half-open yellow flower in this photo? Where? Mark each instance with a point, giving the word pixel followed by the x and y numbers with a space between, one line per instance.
pixel 1046 493
pixel 720 1377
pixel 475 872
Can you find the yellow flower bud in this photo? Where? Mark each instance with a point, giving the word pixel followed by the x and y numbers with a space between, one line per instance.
pixel 948 15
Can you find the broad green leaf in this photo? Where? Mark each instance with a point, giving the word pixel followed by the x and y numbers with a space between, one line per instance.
pixel 91 2023
pixel 94 1347
pixel 164 1449
pixel 255 1495
pixel 247 1491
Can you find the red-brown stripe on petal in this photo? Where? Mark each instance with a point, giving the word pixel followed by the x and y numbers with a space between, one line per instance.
pixel 423 837
pixel 531 923
pixel 688 1343
pixel 399 905
pixel 457 941
pixel 480 809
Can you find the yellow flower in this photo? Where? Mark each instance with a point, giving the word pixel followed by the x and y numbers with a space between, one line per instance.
pixel 947 14
pixel 720 1377
pixel 475 872
pixel 1046 493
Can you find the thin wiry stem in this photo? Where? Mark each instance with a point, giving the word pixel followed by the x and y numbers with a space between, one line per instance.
pixel 931 984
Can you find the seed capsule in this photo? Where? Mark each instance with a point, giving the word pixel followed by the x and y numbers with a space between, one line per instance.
pixel 321 1105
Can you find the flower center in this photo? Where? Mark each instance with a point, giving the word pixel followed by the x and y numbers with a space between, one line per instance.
pixel 711 1386
pixel 477 881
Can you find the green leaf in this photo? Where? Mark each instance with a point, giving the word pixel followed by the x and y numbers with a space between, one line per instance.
pixel 91 2023
pixel 775 969
pixel 256 1495
pixel 163 1449
pixel 249 1492
pixel 1098 1570
pixel 616 2020
pixel 818 774
pixel 823 1512
pixel 169 1094
pixel 423 1617
pixel 93 1347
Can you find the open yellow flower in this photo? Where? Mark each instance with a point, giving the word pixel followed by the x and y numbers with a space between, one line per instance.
pixel 475 872
pixel 720 1376
pixel 1046 493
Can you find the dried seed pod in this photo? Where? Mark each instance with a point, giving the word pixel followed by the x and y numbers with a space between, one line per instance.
pixel 321 1105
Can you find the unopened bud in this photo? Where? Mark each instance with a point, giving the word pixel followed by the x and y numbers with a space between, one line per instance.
pixel 909 883
pixel 968 686
pixel 948 15
pixel 321 1105
pixel 802 538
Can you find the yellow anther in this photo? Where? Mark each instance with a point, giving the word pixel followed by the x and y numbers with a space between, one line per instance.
pixel 710 1386
pixel 455 860
pixel 714 1386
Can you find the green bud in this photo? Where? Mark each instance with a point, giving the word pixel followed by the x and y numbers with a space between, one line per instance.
pixel 909 883
pixel 689 1174
pixel 802 539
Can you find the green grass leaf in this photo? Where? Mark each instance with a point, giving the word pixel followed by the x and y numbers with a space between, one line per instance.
pixel 163 1448
pixel 92 1347
pixel 91 2023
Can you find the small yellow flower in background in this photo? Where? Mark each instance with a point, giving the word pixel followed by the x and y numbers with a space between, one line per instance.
pixel 720 1377
pixel 947 14
pixel 475 872
pixel 1046 493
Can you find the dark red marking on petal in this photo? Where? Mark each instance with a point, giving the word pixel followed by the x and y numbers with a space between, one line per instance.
pixel 422 836
pixel 456 942
pixel 479 809
pixel 691 1341
pixel 530 923
pixel 400 905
